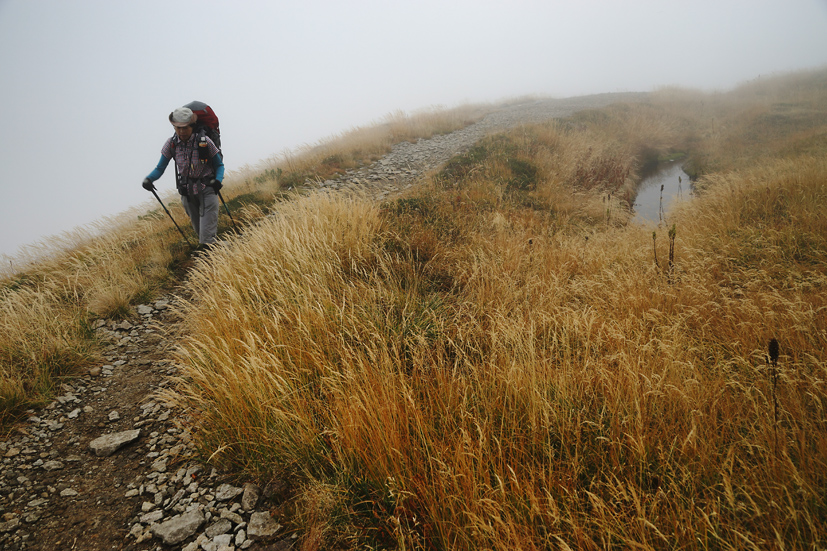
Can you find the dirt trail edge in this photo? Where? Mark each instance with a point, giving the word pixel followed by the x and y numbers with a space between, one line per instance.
pixel 108 466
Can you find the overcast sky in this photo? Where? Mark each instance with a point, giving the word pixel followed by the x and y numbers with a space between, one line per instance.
pixel 86 86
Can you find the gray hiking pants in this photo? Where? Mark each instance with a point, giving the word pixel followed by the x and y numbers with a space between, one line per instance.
pixel 203 212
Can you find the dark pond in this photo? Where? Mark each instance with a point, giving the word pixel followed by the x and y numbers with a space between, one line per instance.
pixel 652 205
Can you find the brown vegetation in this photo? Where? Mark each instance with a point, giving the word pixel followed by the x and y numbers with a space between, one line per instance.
pixel 495 361
pixel 488 364
pixel 57 290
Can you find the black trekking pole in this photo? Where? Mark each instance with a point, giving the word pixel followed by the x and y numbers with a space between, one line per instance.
pixel 227 209
pixel 171 218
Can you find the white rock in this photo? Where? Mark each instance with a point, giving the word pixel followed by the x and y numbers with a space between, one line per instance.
pixel 177 529
pixel 262 526
pixel 160 466
pixel 52 466
pixel 223 541
pixel 226 492
pixel 108 444
pixel 232 517
pixel 221 526
pixel 154 516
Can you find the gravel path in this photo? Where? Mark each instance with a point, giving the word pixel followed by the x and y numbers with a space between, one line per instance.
pixel 408 161
pixel 108 466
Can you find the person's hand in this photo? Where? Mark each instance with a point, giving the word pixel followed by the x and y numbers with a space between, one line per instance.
pixel 148 185
pixel 216 185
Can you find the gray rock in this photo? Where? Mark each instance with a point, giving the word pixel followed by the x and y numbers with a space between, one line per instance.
pixel 154 516
pixel 223 541
pixel 143 309
pixel 250 498
pixel 219 527
pixel 176 498
pixel 9 526
pixel 136 530
pixel 177 529
pixel 52 466
pixel 226 492
pixel 106 445
pixel 160 466
pixel 262 526
pixel 68 492
pixel 232 517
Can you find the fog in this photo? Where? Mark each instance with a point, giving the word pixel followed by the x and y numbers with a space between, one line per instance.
pixel 86 86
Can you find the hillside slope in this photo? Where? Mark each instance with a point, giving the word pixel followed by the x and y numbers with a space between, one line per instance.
pixel 55 493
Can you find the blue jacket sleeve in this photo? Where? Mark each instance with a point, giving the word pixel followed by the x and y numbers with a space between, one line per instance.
pixel 218 165
pixel 162 166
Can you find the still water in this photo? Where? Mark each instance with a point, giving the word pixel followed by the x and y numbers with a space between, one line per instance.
pixel 652 205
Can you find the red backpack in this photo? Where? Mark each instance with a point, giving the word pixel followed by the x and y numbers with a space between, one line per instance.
pixel 206 122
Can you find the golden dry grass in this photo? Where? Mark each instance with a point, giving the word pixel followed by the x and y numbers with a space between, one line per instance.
pixel 495 362
pixel 50 294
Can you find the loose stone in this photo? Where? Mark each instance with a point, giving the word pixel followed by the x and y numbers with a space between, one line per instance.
pixel 106 445
pixel 160 465
pixel 250 498
pixel 154 516
pixel 262 526
pixel 9 526
pixel 177 529
pixel 221 526
pixel 52 466
pixel 227 492
pixel 232 517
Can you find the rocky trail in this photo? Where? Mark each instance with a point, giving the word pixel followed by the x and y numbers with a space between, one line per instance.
pixel 107 465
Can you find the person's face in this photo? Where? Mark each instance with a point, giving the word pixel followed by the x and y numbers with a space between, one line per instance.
pixel 183 132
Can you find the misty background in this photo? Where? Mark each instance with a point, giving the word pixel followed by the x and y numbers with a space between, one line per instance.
pixel 86 86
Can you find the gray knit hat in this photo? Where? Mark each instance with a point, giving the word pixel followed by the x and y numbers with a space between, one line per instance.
pixel 183 116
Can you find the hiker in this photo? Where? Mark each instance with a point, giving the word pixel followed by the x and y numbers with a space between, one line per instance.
pixel 199 172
